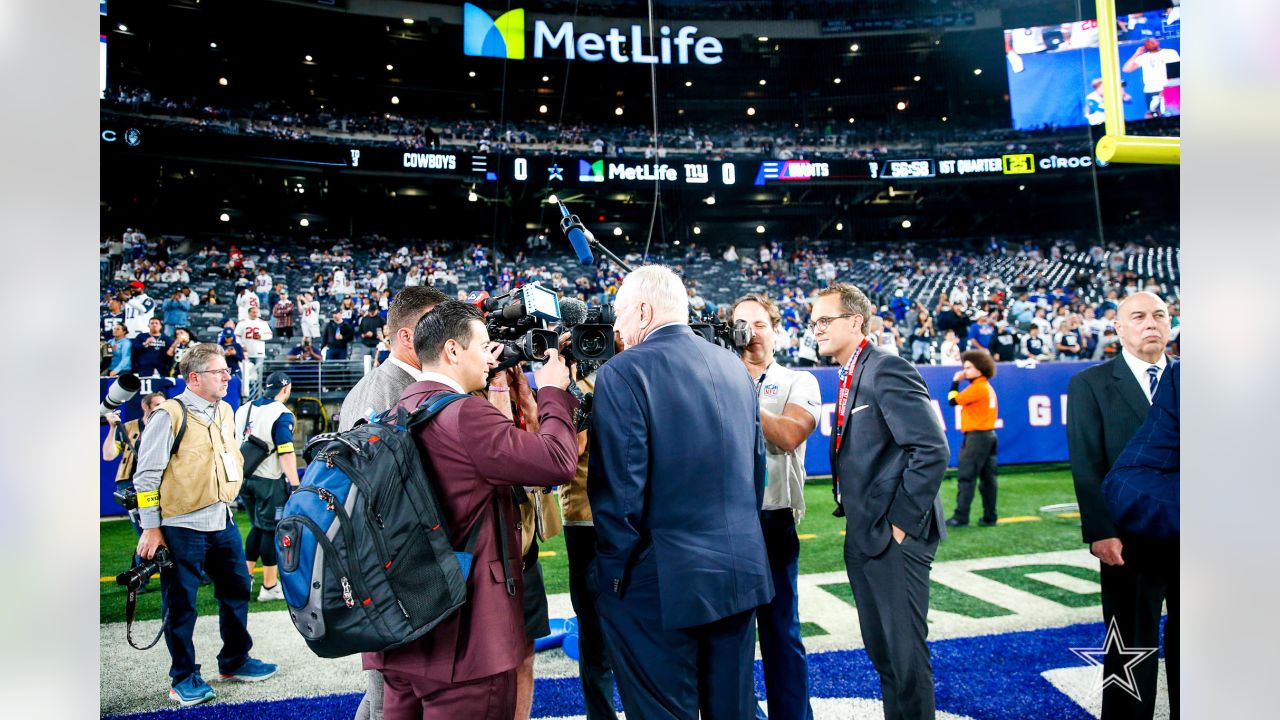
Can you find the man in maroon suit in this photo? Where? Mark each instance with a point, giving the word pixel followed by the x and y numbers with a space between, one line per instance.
pixel 466 666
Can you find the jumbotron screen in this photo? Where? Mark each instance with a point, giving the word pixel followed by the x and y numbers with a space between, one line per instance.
pixel 1055 75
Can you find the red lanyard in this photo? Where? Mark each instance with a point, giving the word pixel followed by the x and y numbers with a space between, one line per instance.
pixel 842 398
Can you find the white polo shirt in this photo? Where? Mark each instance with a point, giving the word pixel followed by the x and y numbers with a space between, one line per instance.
pixel 776 388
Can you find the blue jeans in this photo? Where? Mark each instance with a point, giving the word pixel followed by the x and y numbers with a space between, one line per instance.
pixel 786 667
pixel 221 555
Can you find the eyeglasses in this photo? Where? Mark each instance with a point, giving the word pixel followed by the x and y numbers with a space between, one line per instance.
pixel 823 323
pixel 219 371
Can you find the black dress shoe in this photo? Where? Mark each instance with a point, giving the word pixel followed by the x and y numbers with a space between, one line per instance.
pixel 987 523
pixel 952 522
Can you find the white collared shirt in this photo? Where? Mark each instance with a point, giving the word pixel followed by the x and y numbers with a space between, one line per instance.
pixel 428 376
pixel 1138 367
pixel 415 373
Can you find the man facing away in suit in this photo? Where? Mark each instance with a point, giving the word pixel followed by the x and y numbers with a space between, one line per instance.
pixel 1106 404
pixel 466 666
pixel 376 392
pixel 888 455
pixel 676 479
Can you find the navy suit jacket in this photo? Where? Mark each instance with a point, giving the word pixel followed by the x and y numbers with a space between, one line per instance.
pixel 1142 488
pixel 676 477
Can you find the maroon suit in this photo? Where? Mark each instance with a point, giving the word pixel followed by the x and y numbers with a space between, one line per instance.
pixel 477 454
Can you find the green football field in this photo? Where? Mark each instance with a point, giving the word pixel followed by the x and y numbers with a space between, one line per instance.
pixel 1023 529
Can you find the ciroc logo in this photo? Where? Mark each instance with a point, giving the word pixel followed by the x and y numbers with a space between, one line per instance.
pixel 482 36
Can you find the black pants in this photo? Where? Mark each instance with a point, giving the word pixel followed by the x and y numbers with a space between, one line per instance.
pixel 594 668
pixel 1132 594
pixel 977 460
pixel 891 591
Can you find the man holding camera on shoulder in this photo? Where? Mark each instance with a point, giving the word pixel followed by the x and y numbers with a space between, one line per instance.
pixel 189 471
pixel 466 666
pixel 790 405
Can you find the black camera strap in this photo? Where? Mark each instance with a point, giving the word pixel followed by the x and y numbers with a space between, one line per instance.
pixel 130 609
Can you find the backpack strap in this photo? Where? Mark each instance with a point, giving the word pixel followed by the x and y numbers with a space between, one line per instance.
pixel 182 430
pixel 427 410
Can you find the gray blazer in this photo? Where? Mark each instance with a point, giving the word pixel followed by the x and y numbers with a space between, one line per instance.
pixel 377 391
pixel 893 454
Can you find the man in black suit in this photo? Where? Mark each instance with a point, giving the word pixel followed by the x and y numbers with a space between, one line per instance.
pixel 1105 406
pixel 888 455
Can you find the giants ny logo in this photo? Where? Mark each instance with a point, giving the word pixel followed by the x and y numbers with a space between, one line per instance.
pixel 482 36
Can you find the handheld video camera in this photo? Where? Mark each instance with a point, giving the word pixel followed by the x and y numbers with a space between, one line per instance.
pixel 522 320
pixel 733 337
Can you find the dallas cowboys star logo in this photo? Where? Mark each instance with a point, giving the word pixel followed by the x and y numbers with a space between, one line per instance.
pixel 555 172
pixel 1114 645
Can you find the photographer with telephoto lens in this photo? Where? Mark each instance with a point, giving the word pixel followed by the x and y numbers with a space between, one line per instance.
pixel 189 470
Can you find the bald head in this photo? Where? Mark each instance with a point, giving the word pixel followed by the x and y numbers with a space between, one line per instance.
pixel 1142 322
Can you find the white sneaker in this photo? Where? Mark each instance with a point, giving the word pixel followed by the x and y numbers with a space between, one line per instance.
pixel 266 594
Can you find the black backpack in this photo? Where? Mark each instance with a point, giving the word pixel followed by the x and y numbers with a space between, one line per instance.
pixel 366 560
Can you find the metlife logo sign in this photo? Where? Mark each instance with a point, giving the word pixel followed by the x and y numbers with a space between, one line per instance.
pixel 504 37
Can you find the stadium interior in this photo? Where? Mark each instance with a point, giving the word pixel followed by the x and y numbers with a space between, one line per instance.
pixel 868 142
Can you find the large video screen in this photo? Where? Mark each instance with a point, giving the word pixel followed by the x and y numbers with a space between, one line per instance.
pixel 1055 75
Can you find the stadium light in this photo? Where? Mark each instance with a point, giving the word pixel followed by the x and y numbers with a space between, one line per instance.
pixel 304 222
pixel 1022 187
pixel 546 78
pixel 916 78
pixel 390 67
pixel 710 199
pixel 308 58
pixel 542 109
pixel 224 217
pixel 944 118
pixel 763 38
pixel 688 83
pixel 977 71
pixel 751 111
pixel 697 230
pixel 617 231
pixel 902 104
pixel 213 46
pixel 471 194
pixel 618 111
pixel 408 21
pixel 763 82
pixel 853 47
pixel 471 74
pixel 395 99
pixel 759 229
pixel 677 242
pixel 906 224
pixel 552 199
pixel 836 81
pixel 122 28
pixel 839 227
pixel 850 121
pixel 222 81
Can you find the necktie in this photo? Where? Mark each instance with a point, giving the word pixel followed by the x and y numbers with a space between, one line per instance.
pixel 1153 378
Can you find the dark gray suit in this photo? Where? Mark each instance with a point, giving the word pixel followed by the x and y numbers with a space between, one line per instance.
pixel 890 466
pixel 1105 407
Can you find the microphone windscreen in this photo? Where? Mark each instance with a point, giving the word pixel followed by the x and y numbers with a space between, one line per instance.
pixel 580 246
pixel 572 311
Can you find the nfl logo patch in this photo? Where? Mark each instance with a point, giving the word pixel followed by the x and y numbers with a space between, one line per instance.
pixel 770 390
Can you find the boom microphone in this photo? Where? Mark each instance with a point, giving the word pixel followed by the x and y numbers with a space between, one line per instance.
pixel 579 236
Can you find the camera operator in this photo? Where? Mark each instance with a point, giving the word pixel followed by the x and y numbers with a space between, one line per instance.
pixel 184 503
pixel 122 442
pixel 468 663
pixel 790 405
pixel 264 492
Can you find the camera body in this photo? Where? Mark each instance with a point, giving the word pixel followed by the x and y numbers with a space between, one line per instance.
pixel 733 337
pixel 127 498
pixel 135 577
pixel 522 322
pixel 592 340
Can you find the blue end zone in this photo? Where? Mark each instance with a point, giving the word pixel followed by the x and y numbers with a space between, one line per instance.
pixel 990 676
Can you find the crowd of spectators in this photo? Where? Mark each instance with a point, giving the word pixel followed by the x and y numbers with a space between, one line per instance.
pixel 831 139
pixel 1022 299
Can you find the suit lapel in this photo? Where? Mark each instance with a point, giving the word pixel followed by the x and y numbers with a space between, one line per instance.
pixel 1127 385
pixel 864 360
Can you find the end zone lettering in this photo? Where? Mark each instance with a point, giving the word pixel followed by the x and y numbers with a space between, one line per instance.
pixel 430 161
